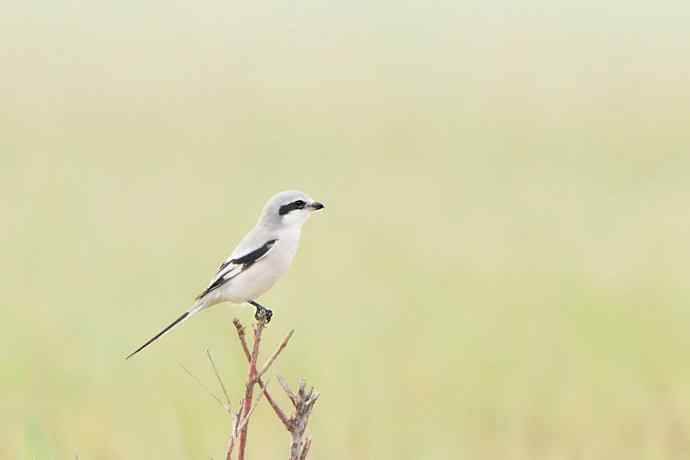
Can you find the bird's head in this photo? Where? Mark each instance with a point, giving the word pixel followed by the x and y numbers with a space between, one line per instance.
pixel 288 209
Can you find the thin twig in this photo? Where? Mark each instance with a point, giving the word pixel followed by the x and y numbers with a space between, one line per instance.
pixel 233 434
pixel 282 346
pixel 288 391
pixel 220 380
pixel 243 337
pixel 201 384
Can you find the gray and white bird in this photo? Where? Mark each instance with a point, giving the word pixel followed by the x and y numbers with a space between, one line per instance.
pixel 258 261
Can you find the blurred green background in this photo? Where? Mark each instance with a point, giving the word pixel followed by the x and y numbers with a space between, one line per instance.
pixel 501 271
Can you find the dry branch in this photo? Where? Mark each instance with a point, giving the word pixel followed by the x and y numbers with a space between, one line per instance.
pixel 275 355
pixel 303 400
pixel 249 387
pixel 304 403
pixel 220 380
pixel 243 341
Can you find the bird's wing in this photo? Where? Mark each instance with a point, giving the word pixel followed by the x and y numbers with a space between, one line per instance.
pixel 233 266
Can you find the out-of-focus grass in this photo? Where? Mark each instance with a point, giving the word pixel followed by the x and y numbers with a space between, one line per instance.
pixel 501 270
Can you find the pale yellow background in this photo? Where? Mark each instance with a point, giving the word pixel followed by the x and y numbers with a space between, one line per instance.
pixel 501 271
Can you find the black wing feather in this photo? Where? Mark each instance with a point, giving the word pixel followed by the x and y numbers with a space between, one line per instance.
pixel 245 261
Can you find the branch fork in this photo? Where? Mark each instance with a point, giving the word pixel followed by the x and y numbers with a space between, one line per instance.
pixel 303 401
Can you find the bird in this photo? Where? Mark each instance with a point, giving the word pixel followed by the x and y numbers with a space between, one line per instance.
pixel 260 259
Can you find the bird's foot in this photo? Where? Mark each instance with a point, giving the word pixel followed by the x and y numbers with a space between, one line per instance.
pixel 263 314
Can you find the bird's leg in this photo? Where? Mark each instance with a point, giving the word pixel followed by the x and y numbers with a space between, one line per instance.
pixel 262 313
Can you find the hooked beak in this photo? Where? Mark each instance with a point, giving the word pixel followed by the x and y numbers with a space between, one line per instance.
pixel 316 206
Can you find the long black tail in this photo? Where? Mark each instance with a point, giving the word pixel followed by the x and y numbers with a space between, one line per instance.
pixel 184 316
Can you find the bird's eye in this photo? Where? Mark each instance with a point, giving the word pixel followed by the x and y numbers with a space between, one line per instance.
pixel 300 203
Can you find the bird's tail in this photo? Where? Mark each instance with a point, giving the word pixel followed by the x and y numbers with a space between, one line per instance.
pixel 184 317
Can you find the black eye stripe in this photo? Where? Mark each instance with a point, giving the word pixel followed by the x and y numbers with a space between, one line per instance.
pixel 286 208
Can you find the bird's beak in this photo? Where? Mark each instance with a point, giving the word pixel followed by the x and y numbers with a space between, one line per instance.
pixel 316 206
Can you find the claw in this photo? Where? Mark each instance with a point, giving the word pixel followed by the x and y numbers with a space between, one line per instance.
pixel 263 314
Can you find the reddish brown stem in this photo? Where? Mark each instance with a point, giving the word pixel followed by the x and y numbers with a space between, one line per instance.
pixel 249 389
pixel 243 340
pixel 303 400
